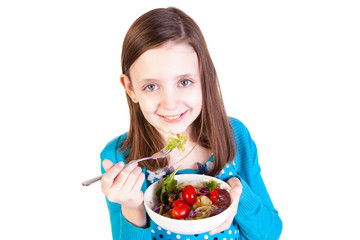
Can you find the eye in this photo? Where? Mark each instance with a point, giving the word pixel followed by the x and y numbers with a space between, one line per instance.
pixel 185 83
pixel 150 87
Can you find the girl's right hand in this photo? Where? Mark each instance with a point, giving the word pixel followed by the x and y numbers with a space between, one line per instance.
pixel 123 185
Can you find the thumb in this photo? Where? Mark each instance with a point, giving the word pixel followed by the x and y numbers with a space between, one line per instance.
pixel 236 187
pixel 107 164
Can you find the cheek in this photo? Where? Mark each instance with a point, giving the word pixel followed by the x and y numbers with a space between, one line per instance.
pixel 147 106
pixel 195 99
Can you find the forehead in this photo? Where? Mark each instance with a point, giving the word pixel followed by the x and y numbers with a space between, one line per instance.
pixel 168 60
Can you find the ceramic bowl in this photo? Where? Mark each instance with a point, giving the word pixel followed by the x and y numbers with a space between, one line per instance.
pixel 185 226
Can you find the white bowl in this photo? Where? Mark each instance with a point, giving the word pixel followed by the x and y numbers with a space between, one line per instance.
pixel 185 226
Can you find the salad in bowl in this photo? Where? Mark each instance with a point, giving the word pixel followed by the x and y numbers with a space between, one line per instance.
pixel 188 203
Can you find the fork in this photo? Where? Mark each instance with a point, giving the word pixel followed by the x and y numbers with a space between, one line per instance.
pixel 159 155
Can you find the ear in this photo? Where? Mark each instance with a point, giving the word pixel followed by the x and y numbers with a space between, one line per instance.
pixel 125 81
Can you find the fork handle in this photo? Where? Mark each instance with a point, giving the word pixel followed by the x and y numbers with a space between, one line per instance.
pixel 98 178
pixel 92 180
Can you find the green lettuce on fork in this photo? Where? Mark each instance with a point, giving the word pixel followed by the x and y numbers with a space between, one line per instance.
pixel 176 141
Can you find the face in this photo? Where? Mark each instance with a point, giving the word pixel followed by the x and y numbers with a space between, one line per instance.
pixel 165 81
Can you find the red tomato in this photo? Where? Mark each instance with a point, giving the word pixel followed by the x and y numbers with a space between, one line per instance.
pixel 177 202
pixel 180 211
pixel 189 194
pixel 214 194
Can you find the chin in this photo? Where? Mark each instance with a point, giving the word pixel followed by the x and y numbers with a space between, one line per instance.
pixel 174 129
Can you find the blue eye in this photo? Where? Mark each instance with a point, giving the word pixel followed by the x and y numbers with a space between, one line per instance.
pixel 185 82
pixel 150 87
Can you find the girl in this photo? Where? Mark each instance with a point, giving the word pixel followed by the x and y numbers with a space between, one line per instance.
pixel 171 85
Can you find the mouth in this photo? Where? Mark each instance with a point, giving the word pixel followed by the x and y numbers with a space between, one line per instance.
pixel 174 118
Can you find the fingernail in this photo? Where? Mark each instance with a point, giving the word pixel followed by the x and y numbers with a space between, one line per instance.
pixel 133 165
pixel 120 165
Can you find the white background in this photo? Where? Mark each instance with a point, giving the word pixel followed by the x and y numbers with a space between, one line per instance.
pixel 288 69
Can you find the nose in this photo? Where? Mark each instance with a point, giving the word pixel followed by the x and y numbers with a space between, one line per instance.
pixel 169 99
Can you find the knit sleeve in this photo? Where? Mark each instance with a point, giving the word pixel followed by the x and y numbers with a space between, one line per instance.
pixel 120 227
pixel 256 215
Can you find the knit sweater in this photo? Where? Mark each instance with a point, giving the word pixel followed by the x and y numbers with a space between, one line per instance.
pixel 256 217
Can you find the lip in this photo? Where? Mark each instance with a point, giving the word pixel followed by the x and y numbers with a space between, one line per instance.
pixel 173 118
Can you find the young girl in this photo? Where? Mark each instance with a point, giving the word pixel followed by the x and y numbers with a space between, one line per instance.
pixel 172 86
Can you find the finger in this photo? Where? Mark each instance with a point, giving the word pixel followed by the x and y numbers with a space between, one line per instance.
pixel 222 227
pixel 122 176
pixel 234 181
pixel 236 187
pixel 138 184
pixel 107 164
pixel 131 179
pixel 108 178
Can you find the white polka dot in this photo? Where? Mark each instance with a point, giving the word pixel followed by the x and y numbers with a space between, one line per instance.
pixel 235 231
pixel 231 239
pixel 229 231
pixel 178 236
pixel 230 173
pixel 206 236
pixel 188 239
pixel 168 232
pixel 224 238
pixel 159 228
pixel 152 230
pixel 222 171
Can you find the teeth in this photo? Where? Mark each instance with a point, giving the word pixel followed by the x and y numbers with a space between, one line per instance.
pixel 172 117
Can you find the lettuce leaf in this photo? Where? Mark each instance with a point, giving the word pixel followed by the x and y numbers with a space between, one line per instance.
pixel 169 185
pixel 177 142
pixel 212 185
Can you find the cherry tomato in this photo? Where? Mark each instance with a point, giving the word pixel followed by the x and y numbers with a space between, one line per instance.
pixel 189 194
pixel 214 194
pixel 177 202
pixel 180 211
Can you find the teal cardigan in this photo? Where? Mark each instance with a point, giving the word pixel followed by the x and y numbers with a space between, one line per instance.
pixel 256 216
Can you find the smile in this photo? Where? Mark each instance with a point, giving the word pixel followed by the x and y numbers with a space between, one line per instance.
pixel 174 118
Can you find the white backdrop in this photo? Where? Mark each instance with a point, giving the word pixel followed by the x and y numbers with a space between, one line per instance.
pixel 289 70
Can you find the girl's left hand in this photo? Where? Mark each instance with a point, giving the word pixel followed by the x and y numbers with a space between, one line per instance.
pixel 235 193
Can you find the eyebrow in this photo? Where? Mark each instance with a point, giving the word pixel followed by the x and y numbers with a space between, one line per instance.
pixel 191 75
pixel 187 75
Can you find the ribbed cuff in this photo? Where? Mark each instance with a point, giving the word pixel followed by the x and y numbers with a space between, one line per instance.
pixel 129 231
pixel 248 201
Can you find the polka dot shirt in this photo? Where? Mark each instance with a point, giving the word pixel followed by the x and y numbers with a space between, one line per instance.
pixel 158 233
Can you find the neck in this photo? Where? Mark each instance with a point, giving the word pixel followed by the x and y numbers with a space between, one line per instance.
pixel 192 155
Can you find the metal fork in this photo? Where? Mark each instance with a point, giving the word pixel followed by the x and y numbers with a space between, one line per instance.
pixel 159 155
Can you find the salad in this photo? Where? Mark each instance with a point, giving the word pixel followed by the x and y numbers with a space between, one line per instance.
pixel 176 141
pixel 191 200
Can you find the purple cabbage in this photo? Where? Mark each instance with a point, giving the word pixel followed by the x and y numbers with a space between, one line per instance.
pixel 203 191
pixel 157 208
pixel 191 214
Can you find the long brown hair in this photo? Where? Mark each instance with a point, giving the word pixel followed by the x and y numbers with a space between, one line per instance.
pixel 212 128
